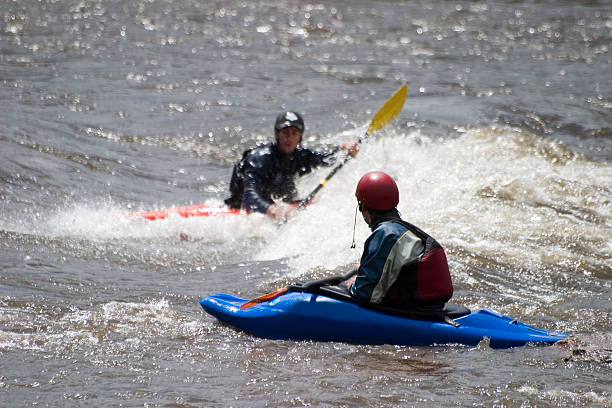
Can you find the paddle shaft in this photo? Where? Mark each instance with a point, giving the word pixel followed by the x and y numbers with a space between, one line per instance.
pixel 305 287
pixel 331 174
pixel 332 280
pixel 385 114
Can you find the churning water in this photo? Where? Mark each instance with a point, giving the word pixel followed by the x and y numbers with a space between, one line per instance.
pixel 503 152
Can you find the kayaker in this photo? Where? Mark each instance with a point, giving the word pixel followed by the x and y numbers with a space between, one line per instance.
pixel 263 180
pixel 401 266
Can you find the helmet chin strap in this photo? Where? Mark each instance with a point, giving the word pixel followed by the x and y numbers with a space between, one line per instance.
pixel 354 226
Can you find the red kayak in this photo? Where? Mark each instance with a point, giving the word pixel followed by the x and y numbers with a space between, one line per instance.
pixel 195 210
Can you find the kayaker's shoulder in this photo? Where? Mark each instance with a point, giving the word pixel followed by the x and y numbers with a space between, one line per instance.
pixel 261 150
pixel 390 228
pixel 260 156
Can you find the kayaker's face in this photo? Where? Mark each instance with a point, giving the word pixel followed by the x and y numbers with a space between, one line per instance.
pixel 365 214
pixel 288 139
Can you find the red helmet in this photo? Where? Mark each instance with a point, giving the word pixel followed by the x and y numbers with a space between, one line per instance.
pixel 378 191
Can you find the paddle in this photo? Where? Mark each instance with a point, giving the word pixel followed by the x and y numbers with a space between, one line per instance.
pixel 264 298
pixel 332 280
pixel 305 287
pixel 385 115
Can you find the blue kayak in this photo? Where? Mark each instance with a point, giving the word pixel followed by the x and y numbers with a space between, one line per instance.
pixel 315 316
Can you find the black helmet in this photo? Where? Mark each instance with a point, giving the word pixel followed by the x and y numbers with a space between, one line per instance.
pixel 288 119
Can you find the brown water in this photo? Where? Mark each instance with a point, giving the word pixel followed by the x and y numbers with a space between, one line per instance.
pixel 503 152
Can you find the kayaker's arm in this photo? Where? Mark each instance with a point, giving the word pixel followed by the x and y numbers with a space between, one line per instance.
pixel 376 250
pixel 330 157
pixel 254 177
pixel 332 280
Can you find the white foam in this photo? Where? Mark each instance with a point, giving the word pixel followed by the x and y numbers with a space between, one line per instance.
pixel 494 191
pixel 516 197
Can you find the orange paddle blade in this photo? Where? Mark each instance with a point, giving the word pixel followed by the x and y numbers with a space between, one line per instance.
pixel 264 298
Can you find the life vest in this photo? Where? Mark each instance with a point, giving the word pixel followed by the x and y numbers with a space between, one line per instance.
pixel 427 281
pixel 264 175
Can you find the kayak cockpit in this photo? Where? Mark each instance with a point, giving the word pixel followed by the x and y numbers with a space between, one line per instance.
pixel 436 312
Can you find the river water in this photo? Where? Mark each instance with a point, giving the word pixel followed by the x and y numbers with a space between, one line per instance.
pixel 503 152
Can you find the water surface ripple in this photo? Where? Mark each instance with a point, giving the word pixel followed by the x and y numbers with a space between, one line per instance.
pixel 503 152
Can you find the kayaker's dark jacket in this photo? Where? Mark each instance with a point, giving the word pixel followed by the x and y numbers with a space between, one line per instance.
pixel 402 266
pixel 265 174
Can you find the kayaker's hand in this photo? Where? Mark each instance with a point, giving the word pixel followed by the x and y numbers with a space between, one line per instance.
pixel 351 147
pixel 350 281
pixel 280 211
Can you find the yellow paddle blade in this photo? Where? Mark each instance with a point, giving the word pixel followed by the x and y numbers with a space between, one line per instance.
pixel 264 298
pixel 390 110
